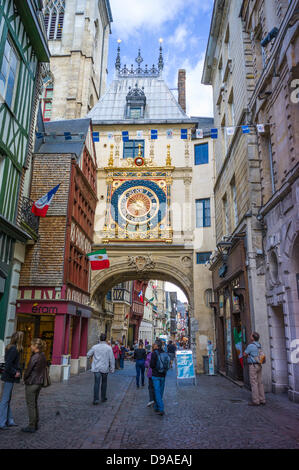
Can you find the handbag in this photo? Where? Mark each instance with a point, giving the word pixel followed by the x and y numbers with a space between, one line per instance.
pixel 47 380
pixel 2 367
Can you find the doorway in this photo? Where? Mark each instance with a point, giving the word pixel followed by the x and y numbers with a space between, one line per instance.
pixel 279 352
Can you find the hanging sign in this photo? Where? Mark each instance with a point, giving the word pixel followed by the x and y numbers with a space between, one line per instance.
pixel 185 366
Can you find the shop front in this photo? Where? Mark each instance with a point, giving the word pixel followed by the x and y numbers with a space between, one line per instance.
pixel 232 314
pixel 63 325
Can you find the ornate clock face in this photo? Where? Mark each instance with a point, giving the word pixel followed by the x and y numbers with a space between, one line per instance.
pixel 138 205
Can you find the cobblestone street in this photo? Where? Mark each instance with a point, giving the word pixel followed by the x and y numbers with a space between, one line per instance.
pixel 213 414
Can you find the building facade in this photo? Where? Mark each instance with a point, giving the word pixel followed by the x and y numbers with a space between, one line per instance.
pixel 274 32
pixel 237 265
pixel 23 50
pixel 78 34
pixel 54 283
pixel 146 331
pixel 145 168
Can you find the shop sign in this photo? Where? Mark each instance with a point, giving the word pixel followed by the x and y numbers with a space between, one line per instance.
pixel 184 363
pixel 41 308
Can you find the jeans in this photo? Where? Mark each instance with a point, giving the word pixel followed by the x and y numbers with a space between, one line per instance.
pixel 151 390
pixel 32 393
pixel 5 410
pixel 121 362
pixel 159 383
pixel 140 368
pixel 97 379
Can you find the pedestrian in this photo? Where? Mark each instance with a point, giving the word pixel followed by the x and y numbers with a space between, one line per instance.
pixel 159 364
pixel 103 363
pixel 255 371
pixel 135 345
pixel 140 357
pixel 34 378
pixel 116 353
pixel 151 390
pixel 171 349
pixel 10 376
pixel 122 355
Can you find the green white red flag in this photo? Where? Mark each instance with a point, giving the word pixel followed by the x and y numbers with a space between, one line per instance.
pixel 98 260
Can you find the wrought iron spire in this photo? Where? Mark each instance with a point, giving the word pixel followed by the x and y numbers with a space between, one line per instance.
pixel 161 61
pixel 117 62
pixel 139 71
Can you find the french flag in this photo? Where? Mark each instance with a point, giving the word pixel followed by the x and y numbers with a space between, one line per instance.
pixel 140 296
pixel 40 207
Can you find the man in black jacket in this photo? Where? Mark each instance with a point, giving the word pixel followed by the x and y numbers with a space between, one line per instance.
pixel 158 378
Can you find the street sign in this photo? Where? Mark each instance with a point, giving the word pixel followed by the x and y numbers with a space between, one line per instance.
pixel 184 365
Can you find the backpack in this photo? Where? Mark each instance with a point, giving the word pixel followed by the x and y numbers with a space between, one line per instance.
pixel 261 357
pixel 163 362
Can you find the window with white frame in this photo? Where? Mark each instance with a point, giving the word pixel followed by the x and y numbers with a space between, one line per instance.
pixel 54 18
pixel 9 73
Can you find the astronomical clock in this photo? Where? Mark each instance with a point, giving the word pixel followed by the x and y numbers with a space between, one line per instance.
pixel 138 200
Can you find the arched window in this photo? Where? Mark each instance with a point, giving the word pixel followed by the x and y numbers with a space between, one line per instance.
pixel 47 99
pixel 54 17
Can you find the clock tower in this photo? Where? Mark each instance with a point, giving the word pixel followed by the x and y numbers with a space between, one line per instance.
pixel 145 216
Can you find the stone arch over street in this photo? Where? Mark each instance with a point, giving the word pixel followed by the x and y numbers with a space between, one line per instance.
pixel 173 264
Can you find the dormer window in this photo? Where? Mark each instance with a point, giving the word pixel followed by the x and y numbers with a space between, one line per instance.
pixel 135 113
pixel 136 102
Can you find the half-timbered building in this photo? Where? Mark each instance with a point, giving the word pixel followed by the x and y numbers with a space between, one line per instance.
pixel 54 284
pixel 23 47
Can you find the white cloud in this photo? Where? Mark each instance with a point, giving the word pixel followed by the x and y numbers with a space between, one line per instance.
pixel 199 97
pixel 179 38
pixel 129 16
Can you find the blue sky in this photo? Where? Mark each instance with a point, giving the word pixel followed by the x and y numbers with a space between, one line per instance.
pixel 184 26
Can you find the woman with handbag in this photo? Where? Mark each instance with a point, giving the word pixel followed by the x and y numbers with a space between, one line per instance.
pixel 35 378
pixel 10 376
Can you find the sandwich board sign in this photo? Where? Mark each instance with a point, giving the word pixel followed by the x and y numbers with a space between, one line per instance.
pixel 184 365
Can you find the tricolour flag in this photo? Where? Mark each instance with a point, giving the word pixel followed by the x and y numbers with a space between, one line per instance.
pixel 98 260
pixel 40 207
pixel 140 296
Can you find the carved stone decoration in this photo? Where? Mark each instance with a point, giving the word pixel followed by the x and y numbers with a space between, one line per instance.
pixel 141 263
pixel 186 261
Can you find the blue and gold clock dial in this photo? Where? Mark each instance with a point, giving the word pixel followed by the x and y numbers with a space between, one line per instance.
pixel 138 204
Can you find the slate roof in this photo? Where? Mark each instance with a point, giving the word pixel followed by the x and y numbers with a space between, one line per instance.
pixel 161 105
pixel 57 144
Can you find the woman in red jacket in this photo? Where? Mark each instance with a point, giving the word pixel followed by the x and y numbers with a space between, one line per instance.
pixel 116 353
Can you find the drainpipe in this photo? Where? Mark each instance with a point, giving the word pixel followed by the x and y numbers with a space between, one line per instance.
pixel 271 166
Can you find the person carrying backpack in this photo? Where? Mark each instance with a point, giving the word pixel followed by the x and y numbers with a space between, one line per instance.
pixel 159 364
pixel 255 359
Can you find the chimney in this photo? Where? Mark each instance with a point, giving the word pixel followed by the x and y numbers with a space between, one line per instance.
pixel 182 88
